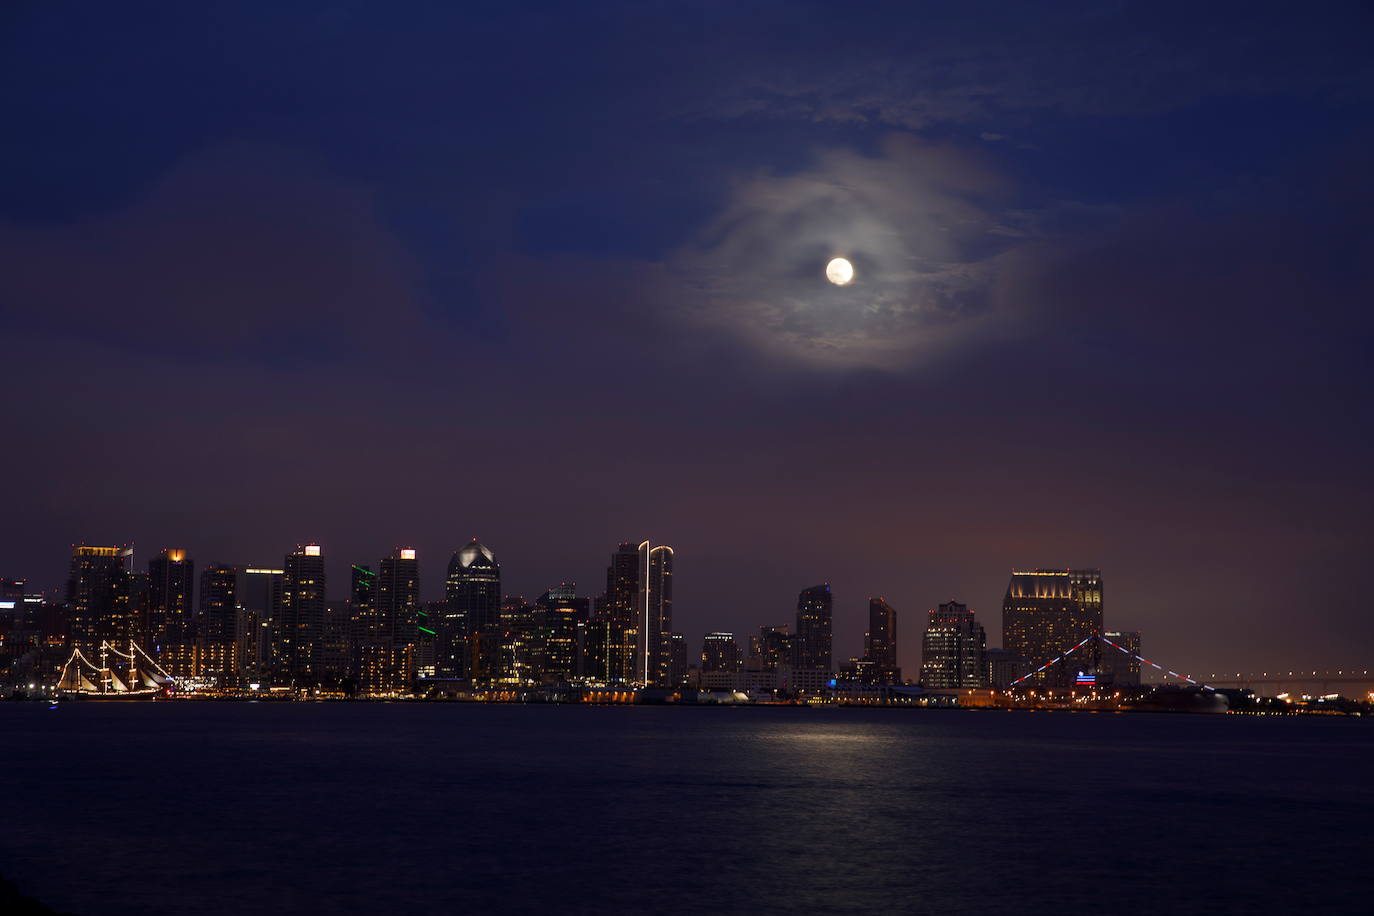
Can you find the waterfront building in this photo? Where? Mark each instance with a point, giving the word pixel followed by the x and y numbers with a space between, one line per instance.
pixel 215 644
pixel 812 645
pixel 1001 668
pixel 770 648
pixel 1046 611
pixel 719 652
pixel 952 649
pixel 396 618
pixel 255 622
pixel 94 576
pixel 166 632
pixel 470 635
pixel 879 662
pixel 558 617
pixel 300 629
pixel 654 615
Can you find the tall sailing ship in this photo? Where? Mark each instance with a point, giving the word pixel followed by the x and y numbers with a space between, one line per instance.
pixel 133 675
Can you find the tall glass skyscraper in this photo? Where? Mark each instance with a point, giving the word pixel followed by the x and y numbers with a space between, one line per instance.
pixel 812 643
pixel 654 606
pixel 470 636
pixel 300 629
pixel 952 648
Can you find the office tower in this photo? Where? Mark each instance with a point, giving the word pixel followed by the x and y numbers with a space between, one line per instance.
pixel 300 629
pixel 880 644
pixel 471 636
pixel 426 637
pixel 558 617
pixel 371 661
pixel 219 587
pixel 397 617
pixel 216 655
pixel 617 627
pixel 771 648
pixel 719 652
pixel 654 614
pixel 171 590
pixel 256 621
pixel 811 646
pixel 94 577
pixel 1047 611
pixel 675 659
pixel 1118 669
pixel 952 649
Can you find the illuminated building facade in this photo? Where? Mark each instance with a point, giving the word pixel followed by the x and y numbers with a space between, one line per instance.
pixel 770 648
pixel 216 646
pixel 95 577
pixel 719 652
pixel 952 649
pixel 1046 611
pixel 812 644
pixel 654 613
pixel 299 630
pixel 171 590
pixel 471 635
pixel 259 597
pixel 396 618
pixel 559 615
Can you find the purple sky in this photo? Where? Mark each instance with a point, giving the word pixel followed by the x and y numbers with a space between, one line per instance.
pixel 555 278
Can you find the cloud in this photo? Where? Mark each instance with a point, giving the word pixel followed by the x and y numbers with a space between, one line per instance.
pixel 919 221
pixel 243 250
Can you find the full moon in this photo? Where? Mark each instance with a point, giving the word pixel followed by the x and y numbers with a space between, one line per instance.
pixel 839 271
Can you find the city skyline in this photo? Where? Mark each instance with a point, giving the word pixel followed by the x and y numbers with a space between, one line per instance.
pixel 911 654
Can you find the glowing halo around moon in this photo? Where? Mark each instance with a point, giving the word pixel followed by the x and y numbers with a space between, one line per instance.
pixel 839 271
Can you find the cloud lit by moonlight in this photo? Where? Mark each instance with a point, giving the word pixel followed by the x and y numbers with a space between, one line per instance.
pixel 913 219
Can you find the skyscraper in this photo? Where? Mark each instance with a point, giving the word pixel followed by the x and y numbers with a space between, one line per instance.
pixel 1046 611
pixel 471 636
pixel 93 582
pixel 654 607
pixel 555 646
pixel 397 617
pixel 300 629
pixel 256 623
pixel 880 643
pixel 1117 668
pixel 952 649
pixel 813 639
pixel 171 590
pixel 214 625
pixel 617 627
pixel 719 652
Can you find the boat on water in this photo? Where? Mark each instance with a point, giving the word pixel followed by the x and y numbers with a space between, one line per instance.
pixel 132 676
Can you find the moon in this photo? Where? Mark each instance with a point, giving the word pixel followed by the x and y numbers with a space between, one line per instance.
pixel 839 271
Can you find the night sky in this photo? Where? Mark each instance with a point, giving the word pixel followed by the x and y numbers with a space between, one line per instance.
pixel 374 274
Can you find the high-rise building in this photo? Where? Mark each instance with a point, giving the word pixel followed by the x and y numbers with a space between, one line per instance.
pixel 216 646
pixel 719 652
pixel 471 634
pixel 1047 611
pixel 300 629
pixel 219 586
pixel 93 581
pixel 880 644
pixel 397 617
pixel 256 622
pixel 812 644
pixel 654 607
pixel 770 648
pixel 558 617
pixel 675 660
pixel 371 660
pixel 1002 668
pixel 952 649
pixel 171 591
pixel 616 633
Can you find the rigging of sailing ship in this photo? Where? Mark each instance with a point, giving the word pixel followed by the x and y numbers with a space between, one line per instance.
pixel 132 675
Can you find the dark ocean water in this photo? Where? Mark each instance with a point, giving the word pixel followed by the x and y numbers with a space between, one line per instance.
pixel 202 808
